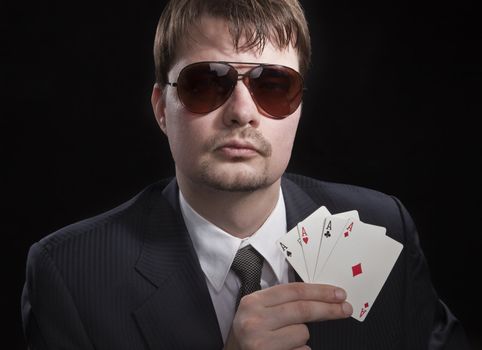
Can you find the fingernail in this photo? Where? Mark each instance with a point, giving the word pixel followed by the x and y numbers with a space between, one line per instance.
pixel 340 294
pixel 347 309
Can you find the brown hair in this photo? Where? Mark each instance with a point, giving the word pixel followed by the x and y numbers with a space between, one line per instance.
pixel 282 22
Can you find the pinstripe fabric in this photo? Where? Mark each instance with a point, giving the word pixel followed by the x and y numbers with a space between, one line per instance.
pixel 407 313
pixel 130 279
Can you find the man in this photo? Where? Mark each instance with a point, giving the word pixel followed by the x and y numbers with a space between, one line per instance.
pixel 155 273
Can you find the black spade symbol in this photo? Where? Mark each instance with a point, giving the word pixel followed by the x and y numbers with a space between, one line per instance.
pixel 288 253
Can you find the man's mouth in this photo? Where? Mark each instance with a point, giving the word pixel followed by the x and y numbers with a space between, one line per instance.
pixel 238 149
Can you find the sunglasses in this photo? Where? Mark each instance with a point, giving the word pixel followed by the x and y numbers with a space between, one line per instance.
pixel 203 87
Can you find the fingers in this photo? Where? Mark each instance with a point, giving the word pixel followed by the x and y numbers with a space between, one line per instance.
pixel 285 293
pixel 274 318
pixel 296 303
pixel 303 311
pixel 289 337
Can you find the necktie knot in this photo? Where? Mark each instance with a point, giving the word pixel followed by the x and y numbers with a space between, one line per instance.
pixel 247 265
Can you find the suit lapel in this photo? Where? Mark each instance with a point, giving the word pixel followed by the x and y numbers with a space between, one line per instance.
pixel 298 204
pixel 179 314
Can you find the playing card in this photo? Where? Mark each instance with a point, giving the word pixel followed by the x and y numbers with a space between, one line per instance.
pixel 352 214
pixel 373 229
pixel 290 245
pixel 310 231
pixel 332 230
pixel 360 263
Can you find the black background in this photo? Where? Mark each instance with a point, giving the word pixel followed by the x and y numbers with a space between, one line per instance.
pixel 392 104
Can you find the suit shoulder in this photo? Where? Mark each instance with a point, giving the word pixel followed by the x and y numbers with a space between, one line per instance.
pixel 340 190
pixel 373 206
pixel 106 222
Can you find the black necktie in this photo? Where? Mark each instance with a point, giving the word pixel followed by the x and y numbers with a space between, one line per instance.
pixel 247 265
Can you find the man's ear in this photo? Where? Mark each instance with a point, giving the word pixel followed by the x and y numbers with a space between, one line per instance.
pixel 159 106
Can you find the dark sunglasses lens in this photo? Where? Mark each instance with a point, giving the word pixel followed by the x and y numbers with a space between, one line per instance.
pixel 277 90
pixel 203 87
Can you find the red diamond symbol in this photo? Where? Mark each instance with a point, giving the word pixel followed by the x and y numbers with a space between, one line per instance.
pixel 346 233
pixel 366 304
pixel 356 269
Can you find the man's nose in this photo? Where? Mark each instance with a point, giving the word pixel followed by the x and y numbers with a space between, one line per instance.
pixel 240 108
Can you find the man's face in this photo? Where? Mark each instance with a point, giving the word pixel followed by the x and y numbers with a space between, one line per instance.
pixel 235 147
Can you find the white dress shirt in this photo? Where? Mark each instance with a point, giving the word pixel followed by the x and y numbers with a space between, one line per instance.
pixel 216 249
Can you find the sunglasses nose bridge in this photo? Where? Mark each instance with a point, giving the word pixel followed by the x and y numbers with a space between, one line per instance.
pixel 244 77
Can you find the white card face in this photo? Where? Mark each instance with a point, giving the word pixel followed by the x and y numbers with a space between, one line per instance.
pixel 364 227
pixel 360 263
pixel 332 230
pixel 290 245
pixel 310 231
pixel 352 214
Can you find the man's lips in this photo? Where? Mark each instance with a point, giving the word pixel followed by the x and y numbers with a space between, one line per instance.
pixel 247 142
pixel 238 148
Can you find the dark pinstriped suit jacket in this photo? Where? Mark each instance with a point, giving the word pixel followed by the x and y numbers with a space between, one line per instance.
pixel 130 279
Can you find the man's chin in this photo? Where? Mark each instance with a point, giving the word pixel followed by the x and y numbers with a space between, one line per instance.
pixel 234 179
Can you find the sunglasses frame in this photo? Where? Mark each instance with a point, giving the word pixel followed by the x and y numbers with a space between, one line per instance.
pixel 245 77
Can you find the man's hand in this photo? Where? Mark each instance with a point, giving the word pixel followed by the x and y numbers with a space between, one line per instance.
pixel 274 318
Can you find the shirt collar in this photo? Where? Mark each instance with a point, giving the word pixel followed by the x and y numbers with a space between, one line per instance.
pixel 216 248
